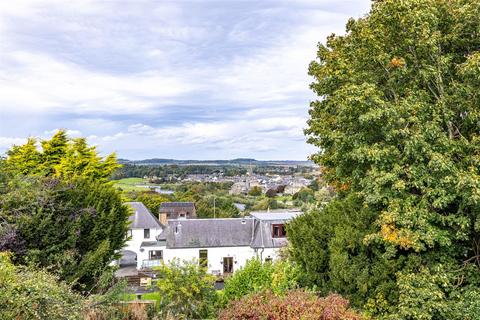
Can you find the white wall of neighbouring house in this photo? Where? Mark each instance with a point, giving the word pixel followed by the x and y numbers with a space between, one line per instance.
pixel 216 254
pixel 144 254
pixel 136 240
pixel 266 254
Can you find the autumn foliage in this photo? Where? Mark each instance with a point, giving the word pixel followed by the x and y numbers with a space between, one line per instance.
pixel 296 304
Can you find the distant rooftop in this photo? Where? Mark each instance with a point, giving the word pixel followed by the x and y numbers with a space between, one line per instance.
pixel 281 214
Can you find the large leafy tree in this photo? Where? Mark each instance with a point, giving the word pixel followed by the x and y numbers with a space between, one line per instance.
pixel 328 246
pixel 59 212
pixel 397 125
pixel 73 229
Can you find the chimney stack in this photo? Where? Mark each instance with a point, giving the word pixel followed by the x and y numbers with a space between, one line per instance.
pixel 162 217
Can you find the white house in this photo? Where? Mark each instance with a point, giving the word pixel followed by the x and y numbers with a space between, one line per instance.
pixel 223 245
pixel 143 248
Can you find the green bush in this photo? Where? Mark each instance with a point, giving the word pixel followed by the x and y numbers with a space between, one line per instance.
pixel 26 294
pixel 257 276
pixel 73 229
pixel 186 291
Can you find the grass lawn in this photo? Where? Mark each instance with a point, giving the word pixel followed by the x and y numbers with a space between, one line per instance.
pixel 145 296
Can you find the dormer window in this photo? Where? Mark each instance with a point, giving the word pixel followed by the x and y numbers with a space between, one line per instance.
pixel 279 231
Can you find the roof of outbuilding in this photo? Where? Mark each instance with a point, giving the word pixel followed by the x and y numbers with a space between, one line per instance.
pixel 176 204
pixel 203 233
pixel 276 214
pixel 142 218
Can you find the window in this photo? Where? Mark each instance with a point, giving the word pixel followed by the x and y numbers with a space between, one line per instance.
pixel 227 265
pixel 155 255
pixel 278 231
pixel 146 233
pixel 203 258
pixel 129 234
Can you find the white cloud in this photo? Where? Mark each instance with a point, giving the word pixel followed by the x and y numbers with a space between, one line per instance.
pixel 225 134
pixel 71 133
pixel 7 142
pixel 115 71
pixel 41 84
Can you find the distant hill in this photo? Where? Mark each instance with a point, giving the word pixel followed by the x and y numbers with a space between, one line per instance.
pixel 233 162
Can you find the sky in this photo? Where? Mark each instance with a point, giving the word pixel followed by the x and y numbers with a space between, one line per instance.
pixel 165 79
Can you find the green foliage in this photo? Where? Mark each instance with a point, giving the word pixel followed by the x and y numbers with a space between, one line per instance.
pixel 257 276
pixel 186 291
pixel 255 191
pixel 169 172
pixel 271 193
pixel 27 294
pixel 152 200
pixel 224 207
pixel 397 126
pixel 328 247
pixel 73 229
pixel 305 195
pixel 61 157
pixel 266 204
pixel 294 305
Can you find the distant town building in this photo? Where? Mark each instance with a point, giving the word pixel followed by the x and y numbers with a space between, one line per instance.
pixel 295 185
pixel 239 188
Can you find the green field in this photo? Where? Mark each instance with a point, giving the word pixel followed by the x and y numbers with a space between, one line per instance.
pixel 133 184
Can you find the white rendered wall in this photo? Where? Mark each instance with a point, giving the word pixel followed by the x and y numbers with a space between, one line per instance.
pixel 136 240
pixel 216 254
pixel 144 255
pixel 267 253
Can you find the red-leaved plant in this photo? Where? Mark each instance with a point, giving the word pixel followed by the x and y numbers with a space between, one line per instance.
pixel 296 304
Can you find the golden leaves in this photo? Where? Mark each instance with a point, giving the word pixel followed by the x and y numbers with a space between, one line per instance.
pixel 391 234
pixel 397 62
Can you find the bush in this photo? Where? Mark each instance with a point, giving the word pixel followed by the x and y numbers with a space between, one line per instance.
pixel 29 294
pixel 255 191
pixel 73 229
pixel 257 276
pixel 186 291
pixel 296 304
pixel 271 193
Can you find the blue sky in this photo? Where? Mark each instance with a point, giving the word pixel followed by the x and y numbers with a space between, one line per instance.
pixel 167 79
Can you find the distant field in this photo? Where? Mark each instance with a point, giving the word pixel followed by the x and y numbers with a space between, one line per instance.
pixel 132 184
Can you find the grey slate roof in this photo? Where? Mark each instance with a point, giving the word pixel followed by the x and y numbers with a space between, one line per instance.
pixel 142 218
pixel 203 233
pixel 263 227
pixel 263 235
pixel 176 204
